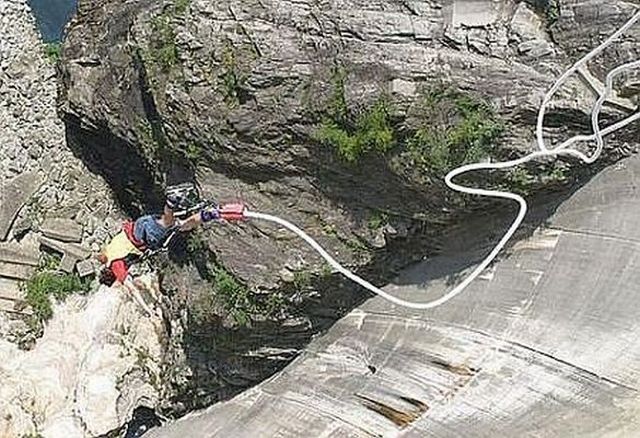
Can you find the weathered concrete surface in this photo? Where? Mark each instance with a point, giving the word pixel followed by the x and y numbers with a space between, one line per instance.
pixel 545 344
pixel 10 289
pixel 14 270
pixel 72 250
pixel 85 268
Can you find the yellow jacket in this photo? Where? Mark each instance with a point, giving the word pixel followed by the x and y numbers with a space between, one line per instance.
pixel 119 248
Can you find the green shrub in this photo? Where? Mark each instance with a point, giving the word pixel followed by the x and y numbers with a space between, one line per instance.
pixel 163 50
pixel 354 135
pixel 232 78
pixel 53 51
pixel 371 132
pixel 46 284
pixel 457 129
pixel 302 279
pixel 181 6
pixel 523 181
pixel 377 221
pixel 235 297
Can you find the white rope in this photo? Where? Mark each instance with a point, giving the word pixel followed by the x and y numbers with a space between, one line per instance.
pixel 562 149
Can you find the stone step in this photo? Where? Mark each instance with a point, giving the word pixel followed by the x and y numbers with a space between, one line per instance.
pixel 21 254
pixel 10 289
pixel 7 305
pixel 72 249
pixel 67 263
pixel 19 272
pixel 13 306
pixel 64 230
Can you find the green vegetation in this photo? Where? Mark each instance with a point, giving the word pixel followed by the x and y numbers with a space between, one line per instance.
pixel 457 129
pixel 301 279
pixel 228 294
pixel 163 50
pixel 354 135
pixel 234 296
pixel 238 301
pixel 47 283
pixel 549 8
pixel 377 221
pixel 454 128
pixel 180 6
pixel 194 153
pixel 53 51
pixel 524 182
pixel 232 78
pixel 326 270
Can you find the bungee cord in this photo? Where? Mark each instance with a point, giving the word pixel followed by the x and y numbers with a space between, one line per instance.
pixel 543 151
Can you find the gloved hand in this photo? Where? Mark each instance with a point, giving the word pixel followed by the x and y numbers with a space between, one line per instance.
pixel 210 214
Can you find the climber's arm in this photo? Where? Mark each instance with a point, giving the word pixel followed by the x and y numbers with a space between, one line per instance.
pixel 224 213
pixel 197 219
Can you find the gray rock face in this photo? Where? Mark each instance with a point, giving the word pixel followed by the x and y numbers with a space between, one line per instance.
pixel 549 332
pixel 39 175
pixel 99 356
pixel 238 89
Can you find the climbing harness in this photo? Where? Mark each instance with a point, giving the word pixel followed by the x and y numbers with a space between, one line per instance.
pixel 544 151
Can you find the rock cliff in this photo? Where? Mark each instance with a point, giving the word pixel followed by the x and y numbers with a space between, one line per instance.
pixel 341 116
pixel 97 362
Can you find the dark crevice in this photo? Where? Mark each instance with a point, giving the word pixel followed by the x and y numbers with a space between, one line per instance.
pixel 121 164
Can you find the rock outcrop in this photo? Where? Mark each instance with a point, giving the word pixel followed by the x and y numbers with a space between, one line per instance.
pixel 98 361
pixel 236 94
pixel 44 188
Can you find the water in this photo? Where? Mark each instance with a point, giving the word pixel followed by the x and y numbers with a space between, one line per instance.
pixel 52 16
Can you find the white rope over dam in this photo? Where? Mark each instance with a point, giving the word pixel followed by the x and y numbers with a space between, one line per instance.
pixel 562 149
